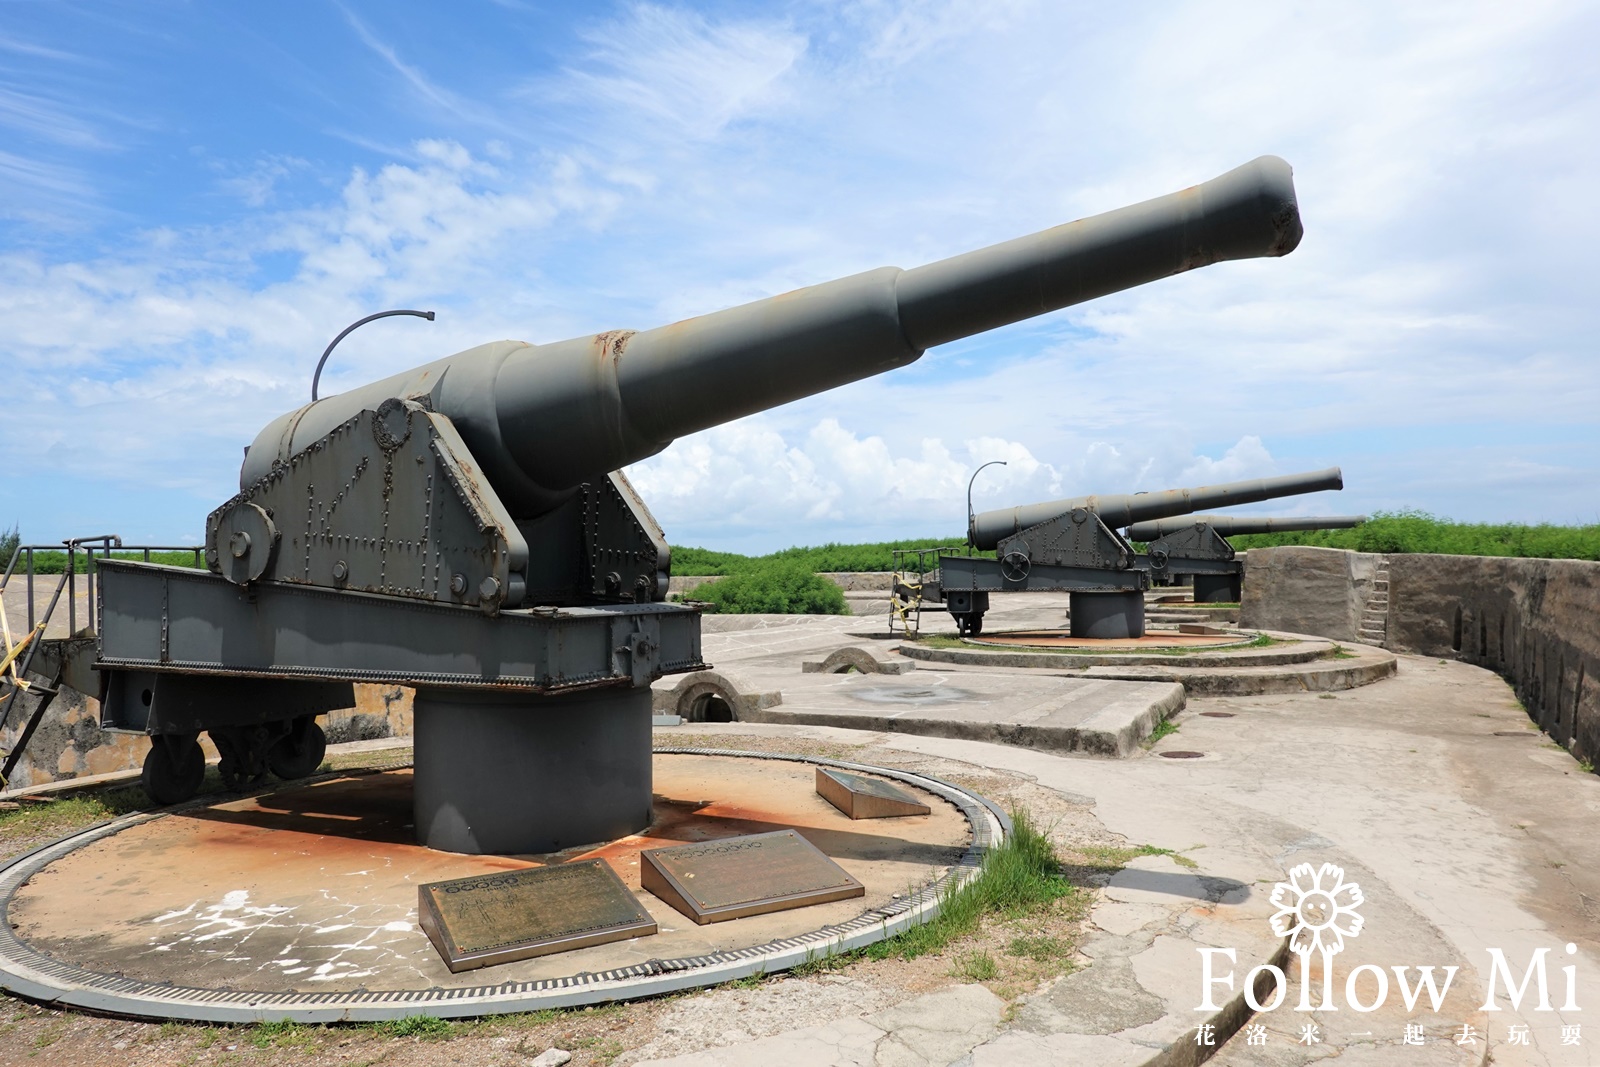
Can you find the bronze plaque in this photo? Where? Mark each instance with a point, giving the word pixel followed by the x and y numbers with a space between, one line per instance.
pixel 713 881
pixel 513 915
pixel 861 797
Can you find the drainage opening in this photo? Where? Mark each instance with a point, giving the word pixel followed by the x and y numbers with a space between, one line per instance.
pixel 710 707
pixel 1181 755
pixel 1217 714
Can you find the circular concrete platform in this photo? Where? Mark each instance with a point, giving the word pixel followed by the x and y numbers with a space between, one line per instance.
pixel 1152 641
pixel 300 903
pixel 1290 663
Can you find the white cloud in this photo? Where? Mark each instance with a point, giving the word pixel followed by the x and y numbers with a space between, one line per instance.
pixel 676 162
pixel 667 72
pixel 748 484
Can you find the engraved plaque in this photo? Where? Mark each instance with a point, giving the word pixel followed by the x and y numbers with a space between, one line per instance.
pixel 513 915
pixel 861 797
pixel 713 881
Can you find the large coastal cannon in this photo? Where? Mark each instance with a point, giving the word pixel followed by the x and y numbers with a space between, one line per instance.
pixel 1197 546
pixel 1072 546
pixel 463 528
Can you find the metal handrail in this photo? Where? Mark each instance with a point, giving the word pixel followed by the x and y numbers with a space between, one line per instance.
pixel 107 546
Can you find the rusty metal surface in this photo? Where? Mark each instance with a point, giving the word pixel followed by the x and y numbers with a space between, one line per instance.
pixel 314 889
pixel 485 920
pixel 717 881
pixel 1152 639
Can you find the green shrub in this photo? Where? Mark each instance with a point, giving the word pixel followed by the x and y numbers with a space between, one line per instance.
pixel 878 556
pixel 1418 531
pixel 772 589
pixel 8 544
pixel 54 562
pixel 703 561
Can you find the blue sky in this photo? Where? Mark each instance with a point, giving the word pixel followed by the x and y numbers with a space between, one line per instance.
pixel 194 198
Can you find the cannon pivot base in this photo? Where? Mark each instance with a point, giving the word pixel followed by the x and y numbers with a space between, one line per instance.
pixel 508 773
pixel 1107 615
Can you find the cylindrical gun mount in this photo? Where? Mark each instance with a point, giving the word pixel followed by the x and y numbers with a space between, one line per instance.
pixel 989 528
pixel 544 419
pixel 1229 525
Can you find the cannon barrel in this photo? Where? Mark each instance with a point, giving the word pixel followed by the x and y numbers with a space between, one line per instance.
pixel 989 528
pixel 1228 525
pixel 543 419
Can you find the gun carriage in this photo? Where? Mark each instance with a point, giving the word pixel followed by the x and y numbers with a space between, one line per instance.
pixel 1197 546
pixel 1072 546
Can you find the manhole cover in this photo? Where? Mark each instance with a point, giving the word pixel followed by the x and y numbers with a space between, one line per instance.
pixel 1182 755
pixel 921 694
pixel 1217 714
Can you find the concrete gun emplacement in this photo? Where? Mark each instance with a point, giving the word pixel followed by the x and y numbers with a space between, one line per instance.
pixel 1072 546
pixel 464 528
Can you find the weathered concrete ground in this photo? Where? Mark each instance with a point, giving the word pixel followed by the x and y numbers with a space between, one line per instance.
pixel 1466 831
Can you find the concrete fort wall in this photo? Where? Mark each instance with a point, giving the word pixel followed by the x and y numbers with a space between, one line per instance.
pixel 1536 622
pixel 1319 591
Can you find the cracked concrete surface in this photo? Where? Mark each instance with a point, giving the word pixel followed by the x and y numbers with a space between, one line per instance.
pixel 1465 830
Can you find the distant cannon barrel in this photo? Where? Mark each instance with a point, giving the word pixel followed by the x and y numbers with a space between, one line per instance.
pixel 1229 525
pixel 989 528
pixel 543 419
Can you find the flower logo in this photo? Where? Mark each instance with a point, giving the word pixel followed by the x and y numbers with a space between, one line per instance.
pixel 1317 909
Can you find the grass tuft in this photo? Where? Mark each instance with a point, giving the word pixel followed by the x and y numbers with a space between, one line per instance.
pixel 286 1034
pixel 1039 948
pixel 1018 879
pixel 422 1027
pixel 976 966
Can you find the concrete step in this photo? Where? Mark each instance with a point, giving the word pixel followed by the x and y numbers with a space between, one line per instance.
pixel 1367 666
pixel 1044 711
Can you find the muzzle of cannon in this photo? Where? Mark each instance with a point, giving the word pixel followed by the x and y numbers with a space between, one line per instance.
pixel 1072 546
pixel 1196 546
pixel 464 528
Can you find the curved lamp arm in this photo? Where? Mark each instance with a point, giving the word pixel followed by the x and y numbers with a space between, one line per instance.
pixel 317 377
pixel 970 515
